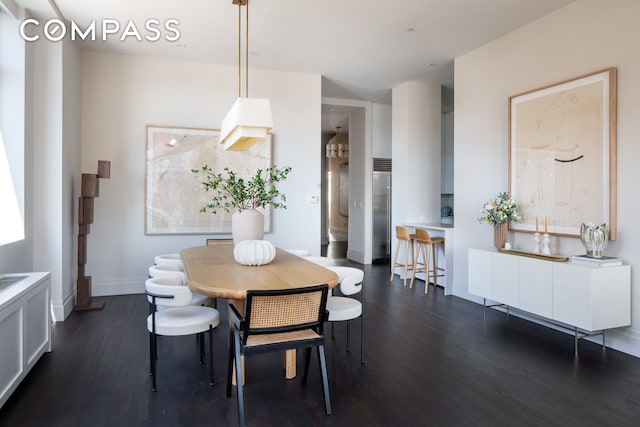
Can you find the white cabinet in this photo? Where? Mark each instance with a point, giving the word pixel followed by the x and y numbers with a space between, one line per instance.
pixel 582 296
pixel 536 286
pixel 592 298
pixel 25 329
pixel 480 263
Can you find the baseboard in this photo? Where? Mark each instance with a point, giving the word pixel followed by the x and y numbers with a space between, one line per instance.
pixel 61 309
pixel 103 288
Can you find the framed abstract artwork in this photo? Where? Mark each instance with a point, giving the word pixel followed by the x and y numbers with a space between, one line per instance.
pixel 562 154
pixel 173 193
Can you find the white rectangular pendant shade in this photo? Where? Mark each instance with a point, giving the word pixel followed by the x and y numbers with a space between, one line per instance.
pixel 247 122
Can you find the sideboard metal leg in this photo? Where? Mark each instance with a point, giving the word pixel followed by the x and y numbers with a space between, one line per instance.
pixel 576 341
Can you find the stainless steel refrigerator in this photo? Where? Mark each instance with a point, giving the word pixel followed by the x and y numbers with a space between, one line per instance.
pixel 381 209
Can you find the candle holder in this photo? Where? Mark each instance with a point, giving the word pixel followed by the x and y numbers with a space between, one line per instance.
pixel 544 247
pixel 536 243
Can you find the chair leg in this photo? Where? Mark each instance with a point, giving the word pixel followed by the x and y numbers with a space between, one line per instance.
pixel 201 345
pixel 332 330
pixel 150 354
pixel 325 381
pixel 230 361
pixel 239 378
pixel 426 267
pixel 416 261
pixel 362 330
pixel 210 355
pixel 152 359
pixel 406 262
pixel 307 357
pixel 348 338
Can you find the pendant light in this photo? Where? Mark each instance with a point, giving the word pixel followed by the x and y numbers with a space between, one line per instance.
pixel 335 148
pixel 249 119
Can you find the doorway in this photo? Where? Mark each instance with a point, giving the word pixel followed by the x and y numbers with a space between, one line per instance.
pixel 354 119
pixel 336 190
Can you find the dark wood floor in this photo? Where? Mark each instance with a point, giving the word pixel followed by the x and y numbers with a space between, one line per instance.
pixel 431 361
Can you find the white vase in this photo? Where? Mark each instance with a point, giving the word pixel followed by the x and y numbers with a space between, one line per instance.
pixel 247 224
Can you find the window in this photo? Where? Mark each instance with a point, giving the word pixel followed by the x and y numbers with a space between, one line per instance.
pixel 12 120
pixel 11 225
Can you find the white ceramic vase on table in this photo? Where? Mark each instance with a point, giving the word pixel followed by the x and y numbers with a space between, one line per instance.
pixel 247 224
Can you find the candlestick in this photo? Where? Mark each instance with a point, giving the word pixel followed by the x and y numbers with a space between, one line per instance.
pixel 536 243
pixel 545 244
pixel 536 223
pixel 546 224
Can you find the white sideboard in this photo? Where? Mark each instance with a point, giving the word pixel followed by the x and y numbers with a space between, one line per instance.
pixel 582 296
pixel 25 328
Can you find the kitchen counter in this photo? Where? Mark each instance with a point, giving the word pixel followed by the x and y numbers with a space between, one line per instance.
pixel 429 225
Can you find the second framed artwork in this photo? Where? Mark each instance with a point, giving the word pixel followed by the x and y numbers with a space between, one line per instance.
pixel 173 193
pixel 562 154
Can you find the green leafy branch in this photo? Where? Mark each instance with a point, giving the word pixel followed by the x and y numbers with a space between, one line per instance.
pixel 233 192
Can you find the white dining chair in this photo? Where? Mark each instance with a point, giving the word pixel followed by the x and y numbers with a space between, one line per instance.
pixel 343 308
pixel 320 260
pixel 168 258
pixel 174 269
pixel 178 318
pixel 299 252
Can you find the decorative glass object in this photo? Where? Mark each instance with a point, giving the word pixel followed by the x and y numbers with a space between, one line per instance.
pixel 594 239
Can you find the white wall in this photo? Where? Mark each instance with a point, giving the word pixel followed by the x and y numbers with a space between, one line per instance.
pixel 416 148
pixel 381 133
pixel 360 205
pixel 56 162
pixel 585 36
pixel 122 94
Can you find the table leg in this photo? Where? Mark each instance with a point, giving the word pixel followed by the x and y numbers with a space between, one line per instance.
pixel 290 364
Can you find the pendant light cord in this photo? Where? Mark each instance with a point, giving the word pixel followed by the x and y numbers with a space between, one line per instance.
pixel 246 58
pixel 239 47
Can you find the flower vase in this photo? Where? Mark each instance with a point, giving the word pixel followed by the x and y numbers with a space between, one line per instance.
pixel 247 224
pixel 500 235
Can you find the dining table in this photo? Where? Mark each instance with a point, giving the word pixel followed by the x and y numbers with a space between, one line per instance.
pixel 212 270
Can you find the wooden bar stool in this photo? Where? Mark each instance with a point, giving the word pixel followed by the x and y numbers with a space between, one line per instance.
pixel 426 243
pixel 406 239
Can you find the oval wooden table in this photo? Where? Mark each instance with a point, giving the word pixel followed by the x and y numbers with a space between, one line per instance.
pixel 211 270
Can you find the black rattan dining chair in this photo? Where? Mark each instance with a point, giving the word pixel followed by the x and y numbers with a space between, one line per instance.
pixel 277 320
